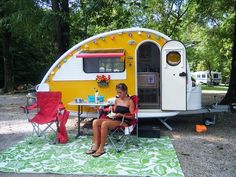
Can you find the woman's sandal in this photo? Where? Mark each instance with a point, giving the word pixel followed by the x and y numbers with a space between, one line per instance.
pixel 91 151
pixel 98 154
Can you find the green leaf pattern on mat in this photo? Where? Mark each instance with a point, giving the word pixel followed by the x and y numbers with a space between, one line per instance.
pixel 141 156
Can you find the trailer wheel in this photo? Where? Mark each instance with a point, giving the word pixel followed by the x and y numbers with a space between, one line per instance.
pixel 208 121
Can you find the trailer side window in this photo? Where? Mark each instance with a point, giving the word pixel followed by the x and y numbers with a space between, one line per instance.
pixel 173 58
pixel 215 76
pixel 103 65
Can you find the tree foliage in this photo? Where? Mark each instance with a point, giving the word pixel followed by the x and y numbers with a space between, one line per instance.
pixel 33 33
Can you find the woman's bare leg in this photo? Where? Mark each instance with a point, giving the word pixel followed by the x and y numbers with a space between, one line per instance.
pixel 96 132
pixel 105 126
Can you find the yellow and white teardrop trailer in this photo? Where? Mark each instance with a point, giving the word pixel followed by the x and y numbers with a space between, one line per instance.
pixel 153 66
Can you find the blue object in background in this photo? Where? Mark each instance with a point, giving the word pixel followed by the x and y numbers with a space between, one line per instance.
pixel 91 98
pixel 101 98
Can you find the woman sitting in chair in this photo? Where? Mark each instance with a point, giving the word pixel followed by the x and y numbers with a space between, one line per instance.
pixel 123 105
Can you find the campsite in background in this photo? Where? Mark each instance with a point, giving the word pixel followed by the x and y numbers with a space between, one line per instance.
pixel 41 31
pixel 177 58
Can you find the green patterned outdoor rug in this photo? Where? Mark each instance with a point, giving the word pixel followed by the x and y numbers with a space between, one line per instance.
pixel 145 157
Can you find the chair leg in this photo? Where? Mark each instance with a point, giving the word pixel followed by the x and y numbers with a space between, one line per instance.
pixel 112 138
pixel 124 137
pixel 44 130
pixel 38 131
pixel 35 129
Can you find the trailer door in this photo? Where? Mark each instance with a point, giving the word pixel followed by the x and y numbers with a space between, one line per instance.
pixel 173 76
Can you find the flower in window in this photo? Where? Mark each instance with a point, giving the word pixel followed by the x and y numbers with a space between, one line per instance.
pixel 102 78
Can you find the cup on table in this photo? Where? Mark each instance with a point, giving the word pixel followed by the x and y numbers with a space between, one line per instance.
pixel 78 100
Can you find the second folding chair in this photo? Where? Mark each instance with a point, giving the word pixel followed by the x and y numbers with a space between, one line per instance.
pixel 49 111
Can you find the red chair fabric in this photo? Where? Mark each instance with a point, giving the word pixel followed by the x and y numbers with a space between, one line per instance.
pixel 50 110
pixel 62 136
pixel 48 102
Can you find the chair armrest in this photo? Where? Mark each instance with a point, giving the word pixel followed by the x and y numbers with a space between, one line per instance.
pixel 30 96
pixel 32 107
pixel 129 116
pixel 61 106
pixel 103 112
pixel 102 108
pixel 106 109
pixel 26 109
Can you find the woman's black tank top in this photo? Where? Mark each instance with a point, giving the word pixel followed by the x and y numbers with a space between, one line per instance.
pixel 122 109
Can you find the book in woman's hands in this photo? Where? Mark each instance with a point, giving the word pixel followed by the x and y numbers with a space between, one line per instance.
pixel 111 115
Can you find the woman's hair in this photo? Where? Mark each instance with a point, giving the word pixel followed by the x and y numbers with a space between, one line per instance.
pixel 122 86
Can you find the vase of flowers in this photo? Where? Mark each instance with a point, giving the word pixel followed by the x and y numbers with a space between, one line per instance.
pixel 103 80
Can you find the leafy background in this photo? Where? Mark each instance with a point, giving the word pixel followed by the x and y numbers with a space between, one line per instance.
pixel 205 27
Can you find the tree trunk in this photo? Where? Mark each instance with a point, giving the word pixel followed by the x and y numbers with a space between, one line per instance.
pixel 61 9
pixel 65 24
pixel 208 65
pixel 230 96
pixel 8 63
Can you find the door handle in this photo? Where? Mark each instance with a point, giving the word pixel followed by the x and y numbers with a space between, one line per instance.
pixel 183 74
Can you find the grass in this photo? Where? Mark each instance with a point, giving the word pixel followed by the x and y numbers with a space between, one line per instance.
pixel 219 88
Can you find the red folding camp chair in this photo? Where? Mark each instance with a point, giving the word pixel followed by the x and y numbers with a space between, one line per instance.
pixel 123 133
pixel 49 110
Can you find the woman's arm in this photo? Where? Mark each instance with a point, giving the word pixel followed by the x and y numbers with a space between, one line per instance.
pixel 131 106
pixel 114 107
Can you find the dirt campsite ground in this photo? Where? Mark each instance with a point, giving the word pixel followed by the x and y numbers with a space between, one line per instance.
pixel 212 153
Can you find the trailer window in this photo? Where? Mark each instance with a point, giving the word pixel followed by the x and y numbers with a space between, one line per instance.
pixel 173 58
pixel 103 65
pixel 203 76
pixel 215 76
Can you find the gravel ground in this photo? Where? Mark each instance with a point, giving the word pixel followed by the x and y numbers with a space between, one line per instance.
pixel 212 153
